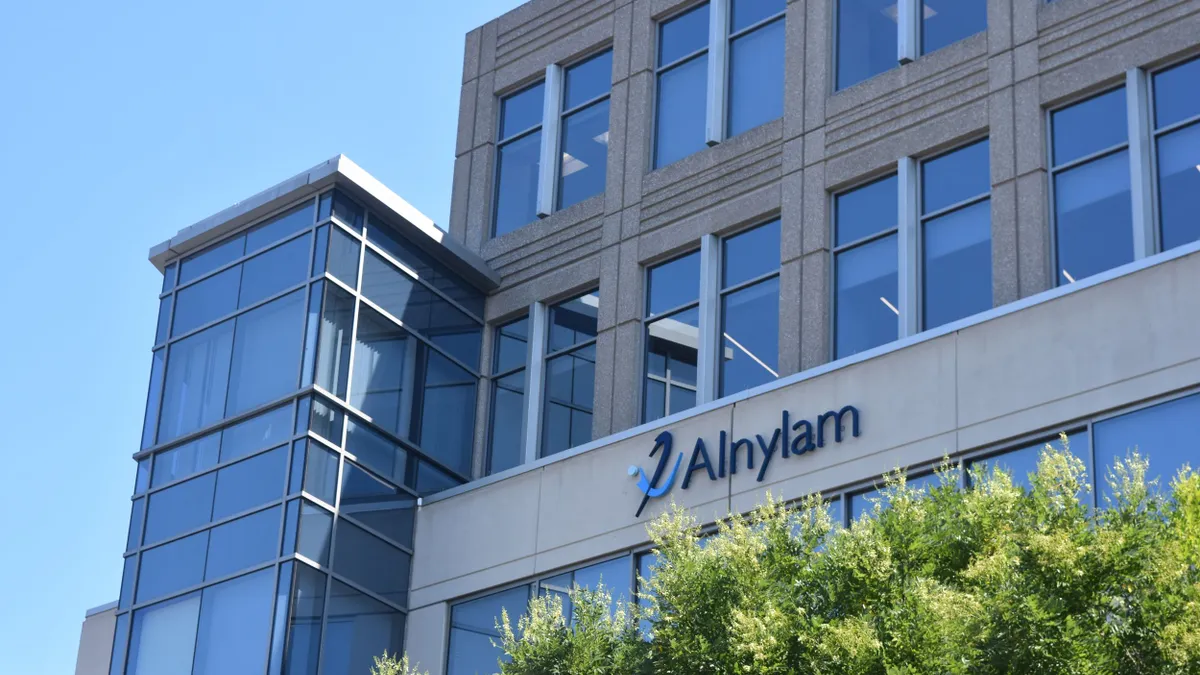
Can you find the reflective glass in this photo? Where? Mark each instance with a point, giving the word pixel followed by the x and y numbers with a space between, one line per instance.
pixel 172 567
pixel 371 449
pixel 266 353
pixel 646 564
pixel 567 417
pixel 683 34
pixel 1179 185
pixel 955 177
pixel 866 39
pixel 512 345
pixel 371 562
pixel 1164 434
pixel 517 164
pixel 142 480
pixel 296 472
pixel 169 273
pixel 343 257
pixel 291 222
pixel 522 110
pixel 249 483
pixel 867 210
pixel 750 337
pixel 320 473
pixel 587 80
pixel 945 22
pixel 312 322
pixel 358 630
pixel 185 460
pixel 321 250
pixel 258 432
pixel 134 536
pixel 206 301
pixel 153 396
pixel 128 576
pixel 304 627
pixel 867 290
pixel 508 413
pixel 327 421
pixel 283 593
pixel 614 575
pixel 272 271
pixel 383 508
pixel 862 504
pixel 235 626
pixel 116 658
pixel 1018 464
pixel 673 284
pixel 333 343
pixel 210 259
pixel 671 349
pixel 1094 217
pixel 316 529
pixel 325 206
pixel 957 264
pixel 473 627
pixel 164 320
pixel 755 78
pixel 428 269
pixel 421 310
pixel 431 479
pixel 745 13
pixel 582 167
pixel 180 508
pixel 1088 127
pixel 679 124
pixel 243 543
pixel 750 254
pixel 163 638
pixel 197 374
pixel 347 210
pixel 573 321
pixel 1176 94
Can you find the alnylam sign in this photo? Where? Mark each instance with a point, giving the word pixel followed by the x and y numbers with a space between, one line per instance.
pixel 789 438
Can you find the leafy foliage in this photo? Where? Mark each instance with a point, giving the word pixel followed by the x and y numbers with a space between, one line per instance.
pixel 390 665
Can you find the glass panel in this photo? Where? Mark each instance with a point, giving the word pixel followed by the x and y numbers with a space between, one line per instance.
pixel 268 273
pixel 333 344
pixel 750 337
pixel 1176 96
pixel 654 400
pixel 153 396
pixel 358 630
pixel 749 12
pixel 327 421
pixel 128 576
pixel 1090 126
pixel 235 626
pixel 186 459
pixel 427 268
pixel 206 261
pixel 1093 216
pixel 266 353
pixel 283 593
pixel 431 479
pixel 867 210
pixel 521 110
pixel 325 206
pixel 247 484
pixel 134 536
pixel 316 527
pixel 955 177
pixel 474 653
pixel 116 658
pixel 180 508
pixel 256 433
pixel 679 125
pixel 584 150
pixel 304 629
pixel 508 412
pixel 683 35
pixel 291 530
pixel 321 473
pixel 169 273
pixel 865 304
pixel 343 257
pixel 646 563
pixel 587 80
pixel 945 22
pixel 957 264
pixel 474 627
pixel 750 254
pixel 673 284
pixel 164 320
pixel 312 322
pixel 373 450
pixel 1022 462
pixel 172 567
pixel 142 480
pixel 243 543
pixel 347 211
pixel 296 472
pixel 866 39
pixel 206 301
pixel 1179 185
pixel 614 575
pixel 421 310
pixel 368 560
pixel 570 380
pixel 756 78
pixel 1162 434
pixel 164 637
pixel 862 504
pixel 516 183
pixel 321 250
pixel 377 505
pixel 197 374
pixel 573 321
pixel 512 345
pixel 291 222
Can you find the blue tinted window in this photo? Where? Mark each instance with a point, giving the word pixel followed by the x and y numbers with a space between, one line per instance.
pixel 185 460
pixel 164 636
pixel 683 35
pixel 431 479
pixel 283 592
pixel 955 177
pixel 427 268
pixel 153 396
pixel 314 535
pixel 750 254
pixel 172 567
pixel 370 561
pixel 567 417
pixel 272 271
pixel 756 78
pixel 671 347
pixel 169 273
pixel 321 250
pixel 473 628
pixel 373 450
pixel 291 222
pixel 358 630
pixel 134 536
pixel 1164 434
pixel 866 39
pixel 235 626
pixel 863 504
pixel 296 471
pixel 325 206
pixel 948 21
pixel 120 642
pixel 128 576
pixel 1179 185
pixel 573 321
pixel 587 80
pixel 581 172
pixel 179 508
pixel 673 284
pixel 679 124
pixel 250 483
pixel 746 13
pixel 304 627
pixel 333 342
pixel 508 411
pixel 266 353
pixel 1093 217
pixel 383 508
pixel 347 211
pixel 1018 464
pixel 867 289
pixel 210 259
pixel 142 480
pixel 517 166
pixel 750 337
pixel 866 210
pixel 320 473
pixel 261 431
pixel 243 543
pixel 1089 127
pixel 1176 94
pixel 343 257
pixel 521 110
pixel 957 264
pixel 197 373
pixel 206 301
pixel 164 320
pixel 512 345
pixel 327 421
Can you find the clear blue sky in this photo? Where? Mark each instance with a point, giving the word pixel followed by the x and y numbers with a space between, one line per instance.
pixel 120 123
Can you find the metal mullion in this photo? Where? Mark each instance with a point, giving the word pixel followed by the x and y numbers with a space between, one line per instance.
pixel 946 210
pixel 672 311
pixel 308 496
pixel 1174 126
pixel 368 592
pixel 518 135
pixel 411 331
pixel 1141 168
pixel 233 315
pixel 503 374
pixel 908 247
pixel 375 533
pixel 587 104
pixel 908 26
pixel 547 186
pixel 228 421
pixel 1099 154
pixel 415 277
pixel 755 26
pixel 206 584
pixel 718 47
pixel 535 380
pixel 708 347
pixel 681 60
pixel 210 525
pixel 748 283
pixel 336 224
pixel 865 240
pixel 573 348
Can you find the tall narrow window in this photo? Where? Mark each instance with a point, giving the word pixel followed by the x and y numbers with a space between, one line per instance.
pixel 682 86
pixel 672 337
pixel 865 267
pixel 1093 209
pixel 584 145
pixel 518 150
pixel 570 374
pixel 1177 149
pixel 755 70
pixel 749 309
pixel 509 361
pixel 956 235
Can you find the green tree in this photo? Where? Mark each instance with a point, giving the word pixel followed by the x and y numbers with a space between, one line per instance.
pixel 391 665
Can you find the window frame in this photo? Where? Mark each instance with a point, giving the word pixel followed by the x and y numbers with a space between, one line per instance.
pixel 545 356
pixel 648 319
pixel 502 141
pixel 494 384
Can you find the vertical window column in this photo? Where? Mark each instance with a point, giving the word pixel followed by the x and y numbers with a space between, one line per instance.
pixel 1176 147
pixel 865 262
pixel 509 361
pixel 671 330
pixel 575 145
pixel 749 308
pixel 518 148
pixel 570 374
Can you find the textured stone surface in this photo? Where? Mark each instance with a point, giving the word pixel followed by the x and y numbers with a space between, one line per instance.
pixel 792 216
pixel 814 309
pixel 795 71
pixel 1033 234
pixel 466 118
pixel 790 317
pixel 1005 255
pixel 1002 135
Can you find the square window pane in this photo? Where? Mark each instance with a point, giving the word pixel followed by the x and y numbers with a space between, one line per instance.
pixel 343 256
pixel 185 460
pixel 249 483
pixel 673 284
pixel 206 301
pixel 235 626
pixel 1176 94
pixel 266 353
pixel 522 110
pixel 358 630
pixel 1094 217
pixel 867 290
pixel 945 22
pixel 370 561
pixel 867 210
pixel 671 354
pixel 679 124
pixel 315 532
pixel 517 166
pixel 1179 185
pixel 272 271
pixel 683 35
pixel 957 264
pixel 581 172
pixel 172 567
pixel 750 254
pixel 211 258
pixel 756 78
pixel 573 321
pixel 243 543
pixel 508 412
pixel 866 39
pixel 291 222
pixel 163 637
pixel 750 337
pixel 258 432
pixel 179 508
pixel 373 450
pixel 749 12
pixel 347 211
pixel 382 507
pixel 955 177
pixel 587 80
pixel 1088 127
pixel 431 479
pixel 320 472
